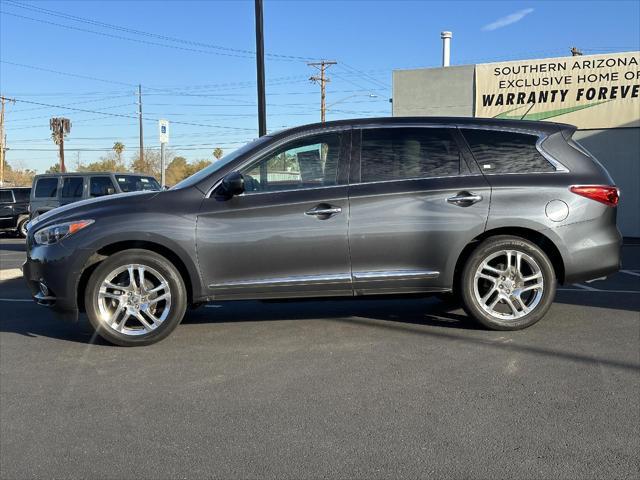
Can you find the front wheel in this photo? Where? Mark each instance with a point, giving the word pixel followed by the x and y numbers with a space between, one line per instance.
pixel 135 297
pixel 508 283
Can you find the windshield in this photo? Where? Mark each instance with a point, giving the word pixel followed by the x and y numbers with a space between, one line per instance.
pixel 136 183
pixel 218 164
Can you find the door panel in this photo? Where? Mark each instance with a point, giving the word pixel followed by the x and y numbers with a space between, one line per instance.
pixel 421 207
pixel 404 235
pixel 286 236
pixel 265 246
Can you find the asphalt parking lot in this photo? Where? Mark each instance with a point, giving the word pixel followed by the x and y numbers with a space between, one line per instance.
pixel 341 389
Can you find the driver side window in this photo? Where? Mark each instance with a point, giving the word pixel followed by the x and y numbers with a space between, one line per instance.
pixel 308 163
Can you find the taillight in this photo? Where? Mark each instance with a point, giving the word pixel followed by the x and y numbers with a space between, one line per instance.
pixel 600 193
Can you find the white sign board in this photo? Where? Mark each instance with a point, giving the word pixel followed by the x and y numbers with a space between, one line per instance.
pixel 163 129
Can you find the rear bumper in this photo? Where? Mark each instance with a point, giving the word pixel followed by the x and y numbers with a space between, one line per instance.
pixel 589 251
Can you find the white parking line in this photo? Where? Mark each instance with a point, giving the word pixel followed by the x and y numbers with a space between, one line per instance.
pixel 631 272
pixel 586 287
pixel 10 274
pixel 595 290
pixel 15 300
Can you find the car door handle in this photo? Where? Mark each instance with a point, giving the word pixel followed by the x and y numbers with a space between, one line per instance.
pixel 323 211
pixel 464 199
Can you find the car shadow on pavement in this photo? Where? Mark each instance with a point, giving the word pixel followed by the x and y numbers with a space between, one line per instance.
pixel 423 311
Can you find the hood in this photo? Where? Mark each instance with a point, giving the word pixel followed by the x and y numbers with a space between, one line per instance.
pixel 71 208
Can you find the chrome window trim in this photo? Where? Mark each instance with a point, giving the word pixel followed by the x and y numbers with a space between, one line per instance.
pixel 395 274
pixel 559 167
pixel 414 179
pixel 284 281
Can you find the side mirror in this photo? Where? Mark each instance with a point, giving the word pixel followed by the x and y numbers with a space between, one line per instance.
pixel 111 190
pixel 232 184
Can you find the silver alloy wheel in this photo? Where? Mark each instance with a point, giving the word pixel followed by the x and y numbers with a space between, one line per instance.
pixel 508 284
pixel 134 300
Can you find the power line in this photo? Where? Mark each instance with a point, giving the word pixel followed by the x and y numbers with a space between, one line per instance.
pixel 244 53
pixel 122 115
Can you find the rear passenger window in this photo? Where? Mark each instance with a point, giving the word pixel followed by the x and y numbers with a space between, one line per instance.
pixel 47 188
pixel 506 152
pixel 5 196
pixel 403 153
pixel 72 187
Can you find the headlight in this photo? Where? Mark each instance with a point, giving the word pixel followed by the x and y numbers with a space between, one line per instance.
pixel 55 233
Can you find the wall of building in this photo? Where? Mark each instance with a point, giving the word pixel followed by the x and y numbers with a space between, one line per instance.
pixel 434 92
pixel 618 149
pixel 450 92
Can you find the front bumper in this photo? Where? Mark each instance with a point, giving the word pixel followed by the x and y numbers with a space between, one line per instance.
pixel 52 273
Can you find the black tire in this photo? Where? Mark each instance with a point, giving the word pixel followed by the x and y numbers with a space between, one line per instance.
pixel 21 229
pixel 484 250
pixel 150 260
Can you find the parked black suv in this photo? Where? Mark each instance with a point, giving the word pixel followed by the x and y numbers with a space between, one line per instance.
pixel 52 190
pixel 495 211
pixel 14 209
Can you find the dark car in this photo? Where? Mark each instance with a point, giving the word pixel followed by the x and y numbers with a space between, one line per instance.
pixel 14 209
pixel 52 190
pixel 496 212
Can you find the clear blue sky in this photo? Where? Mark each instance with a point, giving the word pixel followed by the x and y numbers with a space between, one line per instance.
pixel 190 81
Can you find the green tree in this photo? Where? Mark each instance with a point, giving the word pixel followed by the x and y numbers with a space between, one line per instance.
pixel 177 170
pixel 218 153
pixel 55 168
pixel 118 148
pixel 197 166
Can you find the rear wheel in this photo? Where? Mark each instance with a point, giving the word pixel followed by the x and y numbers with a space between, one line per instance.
pixel 508 283
pixel 135 297
pixel 22 227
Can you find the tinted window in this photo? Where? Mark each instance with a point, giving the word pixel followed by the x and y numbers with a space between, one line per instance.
pixel 506 152
pixel 22 194
pixel 72 187
pixel 400 153
pixel 47 187
pixel 308 163
pixel 5 196
pixel 134 183
pixel 99 186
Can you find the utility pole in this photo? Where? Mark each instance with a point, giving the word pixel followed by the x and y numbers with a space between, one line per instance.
pixel 140 123
pixel 262 103
pixel 3 137
pixel 322 80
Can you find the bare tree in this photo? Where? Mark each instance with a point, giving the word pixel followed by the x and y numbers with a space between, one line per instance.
pixel 60 128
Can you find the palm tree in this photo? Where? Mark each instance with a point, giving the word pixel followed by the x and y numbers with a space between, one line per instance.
pixel 217 153
pixel 60 128
pixel 118 147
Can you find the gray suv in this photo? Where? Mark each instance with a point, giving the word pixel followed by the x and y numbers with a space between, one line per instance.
pixel 493 212
pixel 52 190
